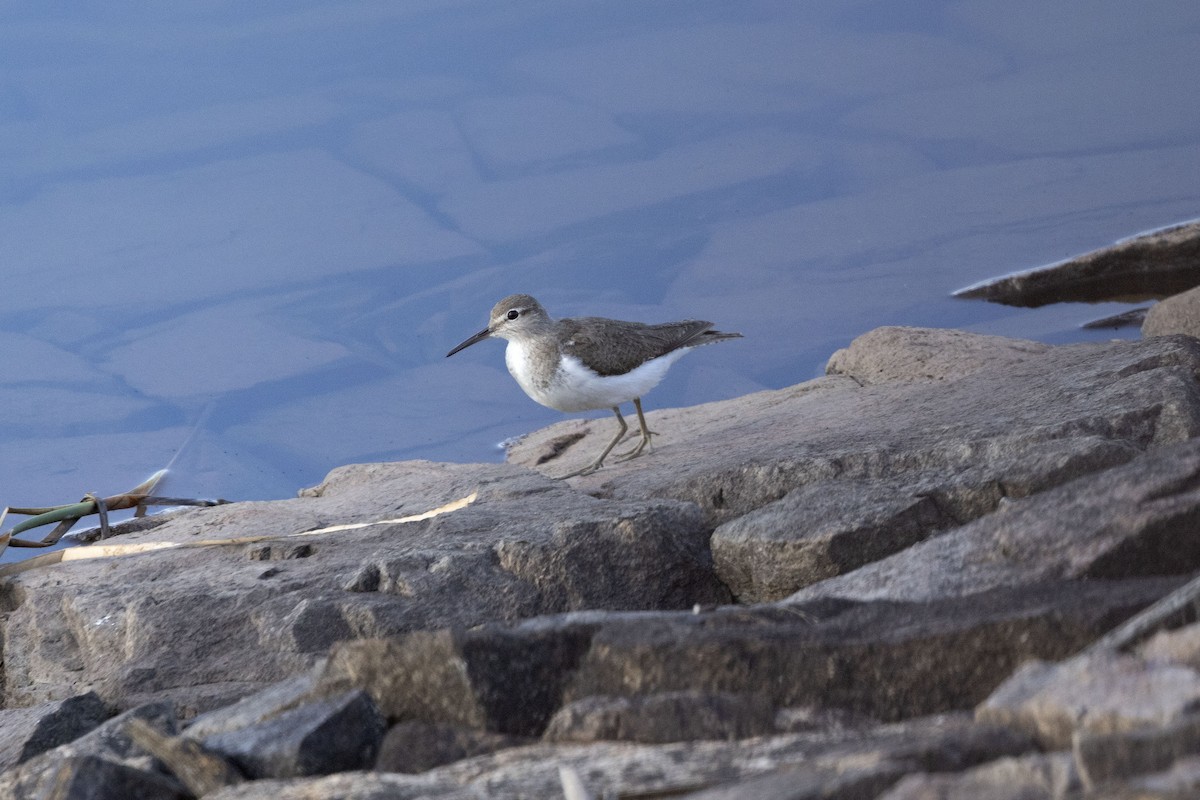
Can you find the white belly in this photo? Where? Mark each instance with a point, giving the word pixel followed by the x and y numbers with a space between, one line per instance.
pixel 576 388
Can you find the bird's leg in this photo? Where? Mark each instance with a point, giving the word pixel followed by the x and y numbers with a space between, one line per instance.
pixel 595 465
pixel 646 434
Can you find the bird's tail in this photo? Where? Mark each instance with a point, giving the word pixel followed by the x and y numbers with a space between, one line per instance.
pixel 711 337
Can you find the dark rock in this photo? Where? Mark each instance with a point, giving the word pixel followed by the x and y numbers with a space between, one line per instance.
pixel 108 743
pixel 334 735
pixel 90 777
pixel 888 660
pixel 1150 266
pixel 849 759
pixel 413 747
pixel 255 708
pixel 111 740
pixel 1106 757
pixel 663 717
pixel 1136 519
pixel 1133 318
pixel 507 680
pixel 26 732
pixel 197 769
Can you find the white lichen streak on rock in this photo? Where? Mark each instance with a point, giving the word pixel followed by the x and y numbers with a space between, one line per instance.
pixel 115 550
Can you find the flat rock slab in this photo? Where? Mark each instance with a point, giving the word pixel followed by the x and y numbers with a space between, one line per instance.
pixel 1009 430
pixel 268 595
pixel 876 759
pixel 1137 519
pixel 1154 265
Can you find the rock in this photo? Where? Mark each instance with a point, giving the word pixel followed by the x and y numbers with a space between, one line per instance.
pixel 1180 782
pixel 816 532
pixel 184 624
pixel 253 709
pixel 1133 318
pixel 873 759
pixel 663 717
pixel 884 659
pixel 1104 758
pixel 92 754
pixel 798 719
pixel 197 769
pixel 1050 776
pixel 926 354
pixel 1136 519
pixel 94 778
pixel 1179 646
pixel 998 432
pixel 1177 314
pixel 412 747
pixel 335 735
pixel 501 679
pixel 1152 265
pixel 1098 693
pixel 26 732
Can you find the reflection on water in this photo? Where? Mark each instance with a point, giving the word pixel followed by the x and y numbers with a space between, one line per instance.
pixel 256 229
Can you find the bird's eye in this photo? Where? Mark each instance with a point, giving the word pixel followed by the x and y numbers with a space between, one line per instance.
pixel 513 313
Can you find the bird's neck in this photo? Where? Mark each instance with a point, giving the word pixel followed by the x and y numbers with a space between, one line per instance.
pixel 533 361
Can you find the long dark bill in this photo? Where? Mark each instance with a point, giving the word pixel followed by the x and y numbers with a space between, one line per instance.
pixel 479 337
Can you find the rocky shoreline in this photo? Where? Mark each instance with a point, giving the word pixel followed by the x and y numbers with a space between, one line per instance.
pixel 897 581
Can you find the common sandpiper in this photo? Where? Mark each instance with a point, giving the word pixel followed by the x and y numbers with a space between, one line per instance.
pixel 586 363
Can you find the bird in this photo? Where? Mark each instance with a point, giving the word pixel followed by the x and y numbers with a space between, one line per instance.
pixel 589 363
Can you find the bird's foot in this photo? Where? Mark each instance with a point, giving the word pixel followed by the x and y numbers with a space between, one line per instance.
pixel 638 448
pixel 588 470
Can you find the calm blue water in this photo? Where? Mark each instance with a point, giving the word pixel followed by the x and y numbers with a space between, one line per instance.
pixel 238 239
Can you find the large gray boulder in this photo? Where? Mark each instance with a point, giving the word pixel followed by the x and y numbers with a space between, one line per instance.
pixel 1136 519
pixel 205 624
pixel 1004 431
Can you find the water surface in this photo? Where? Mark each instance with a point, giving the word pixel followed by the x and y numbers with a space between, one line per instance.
pixel 238 239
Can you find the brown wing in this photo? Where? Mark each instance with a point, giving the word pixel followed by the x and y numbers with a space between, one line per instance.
pixel 614 347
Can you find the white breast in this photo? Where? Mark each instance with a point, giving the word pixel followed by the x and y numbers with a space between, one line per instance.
pixel 574 387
